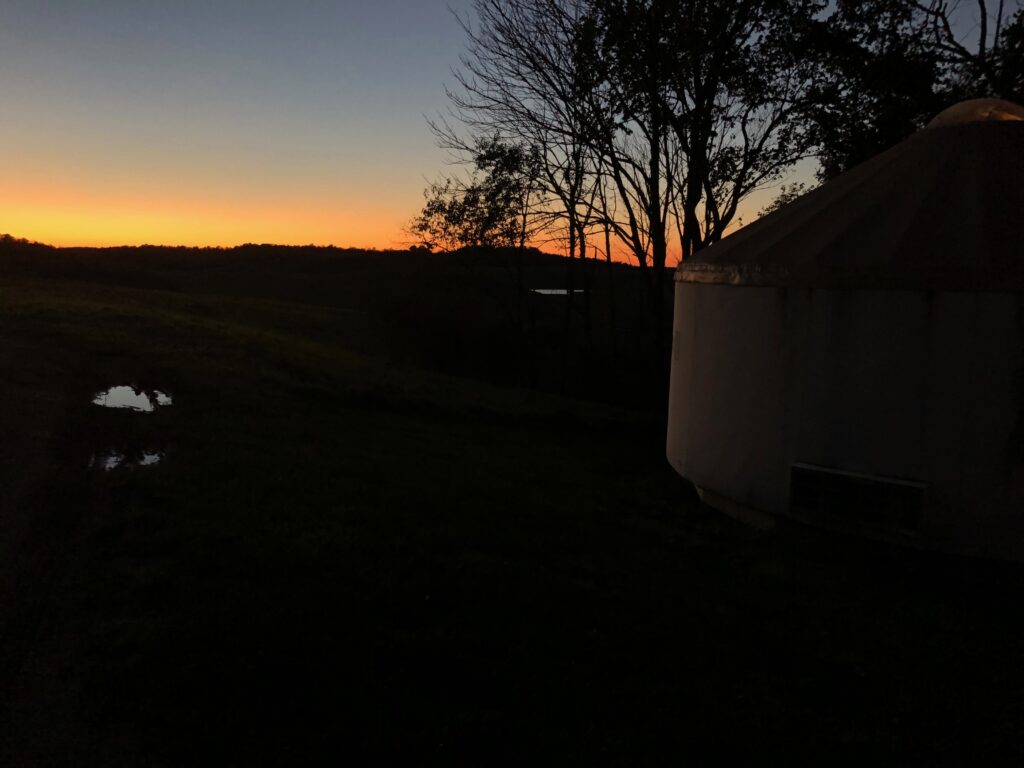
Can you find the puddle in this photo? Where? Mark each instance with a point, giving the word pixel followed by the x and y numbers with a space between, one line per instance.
pixel 557 291
pixel 149 459
pixel 113 459
pixel 145 401
pixel 107 461
pixel 131 398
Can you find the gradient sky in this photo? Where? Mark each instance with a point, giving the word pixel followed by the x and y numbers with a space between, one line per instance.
pixel 218 122
pixel 221 122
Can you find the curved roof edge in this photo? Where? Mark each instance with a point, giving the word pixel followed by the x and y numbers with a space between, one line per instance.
pixel 939 211
pixel 807 278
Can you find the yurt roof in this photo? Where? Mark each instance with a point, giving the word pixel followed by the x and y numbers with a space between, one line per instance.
pixel 943 209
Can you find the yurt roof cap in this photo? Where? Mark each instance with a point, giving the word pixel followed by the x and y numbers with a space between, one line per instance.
pixel 977 111
pixel 940 210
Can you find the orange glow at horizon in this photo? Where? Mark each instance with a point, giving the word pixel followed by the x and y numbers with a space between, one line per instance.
pixel 68 217
pixel 72 213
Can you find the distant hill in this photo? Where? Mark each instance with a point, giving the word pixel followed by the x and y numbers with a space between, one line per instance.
pixel 472 313
pixel 9 242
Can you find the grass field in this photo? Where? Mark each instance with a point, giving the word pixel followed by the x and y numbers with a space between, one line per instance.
pixel 361 547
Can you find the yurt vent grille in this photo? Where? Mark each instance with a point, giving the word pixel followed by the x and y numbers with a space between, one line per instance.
pixel 883 502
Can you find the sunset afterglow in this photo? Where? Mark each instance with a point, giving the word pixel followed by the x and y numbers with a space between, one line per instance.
pixel 220 124
pixel 76 215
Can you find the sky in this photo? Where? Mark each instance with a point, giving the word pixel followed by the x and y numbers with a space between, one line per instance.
pixel 223 122
pixel 220 122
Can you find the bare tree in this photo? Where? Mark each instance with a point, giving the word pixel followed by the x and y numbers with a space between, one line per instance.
pixel 519 79
pixel 981 43
pixel 524 77
pixel 656 119
pixel 730 83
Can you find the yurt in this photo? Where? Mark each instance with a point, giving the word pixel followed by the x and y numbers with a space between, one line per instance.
pixel 856 359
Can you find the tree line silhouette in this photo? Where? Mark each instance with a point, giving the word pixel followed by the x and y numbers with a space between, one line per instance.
pixel 639 127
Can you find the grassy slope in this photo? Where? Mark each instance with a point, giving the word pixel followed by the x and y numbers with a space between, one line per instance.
pixel 345 556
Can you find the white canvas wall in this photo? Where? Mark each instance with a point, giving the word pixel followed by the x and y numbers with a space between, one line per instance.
pixel 909 384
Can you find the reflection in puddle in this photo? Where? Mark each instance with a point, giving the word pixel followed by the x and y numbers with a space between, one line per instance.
pixel 132 398
pixel 108 461
pixel 113 459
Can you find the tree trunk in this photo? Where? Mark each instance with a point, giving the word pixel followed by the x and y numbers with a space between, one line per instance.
pixel 613 331
pixel 570 287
